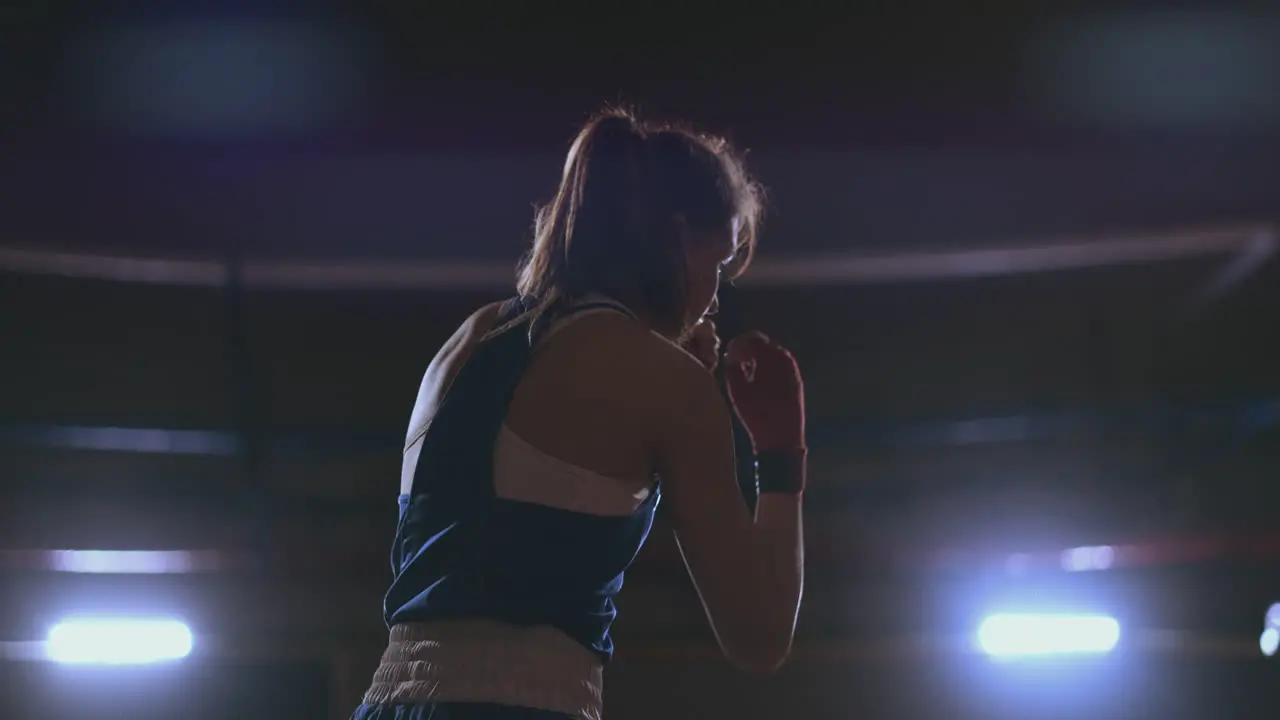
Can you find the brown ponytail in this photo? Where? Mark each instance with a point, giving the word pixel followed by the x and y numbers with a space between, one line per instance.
pixel 612 226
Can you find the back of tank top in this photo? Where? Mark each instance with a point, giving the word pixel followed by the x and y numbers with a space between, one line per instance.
pixel 493 529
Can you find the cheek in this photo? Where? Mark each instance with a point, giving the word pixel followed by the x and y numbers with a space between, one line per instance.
pixel 704 278
pixel 704 289
pixel 702 273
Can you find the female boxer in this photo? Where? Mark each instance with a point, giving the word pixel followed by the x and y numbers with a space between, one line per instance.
pixel 548 426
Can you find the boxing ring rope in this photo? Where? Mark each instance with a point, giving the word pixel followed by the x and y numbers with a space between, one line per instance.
pixel 1254 241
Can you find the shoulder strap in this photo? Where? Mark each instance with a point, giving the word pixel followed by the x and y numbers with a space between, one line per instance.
pixel 551 320
pixel 596 304
pixel 512 313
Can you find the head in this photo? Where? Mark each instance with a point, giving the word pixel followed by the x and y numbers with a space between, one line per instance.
pixel 652 215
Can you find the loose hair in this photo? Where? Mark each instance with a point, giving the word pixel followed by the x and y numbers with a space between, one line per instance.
pixel 614 226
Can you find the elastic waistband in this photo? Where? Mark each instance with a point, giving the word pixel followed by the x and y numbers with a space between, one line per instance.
pixel 483 661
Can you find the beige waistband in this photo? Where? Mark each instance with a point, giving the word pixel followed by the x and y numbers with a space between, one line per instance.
pixel 483 661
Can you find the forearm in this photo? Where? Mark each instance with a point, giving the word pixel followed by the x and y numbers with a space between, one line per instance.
pixel 779 530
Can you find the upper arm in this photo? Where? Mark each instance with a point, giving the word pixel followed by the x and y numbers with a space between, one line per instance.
pixel 713 526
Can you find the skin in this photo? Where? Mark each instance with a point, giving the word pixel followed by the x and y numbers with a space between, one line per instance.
pixel 704 344
pixel 608 395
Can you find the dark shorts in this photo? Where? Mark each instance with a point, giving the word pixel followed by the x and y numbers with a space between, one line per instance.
pixel 453 711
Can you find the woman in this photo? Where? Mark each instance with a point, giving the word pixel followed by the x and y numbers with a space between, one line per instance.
pixel 547 427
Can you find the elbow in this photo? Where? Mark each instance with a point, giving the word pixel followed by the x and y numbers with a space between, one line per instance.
pixel 760 656
pixel 757 637
pixel 760 667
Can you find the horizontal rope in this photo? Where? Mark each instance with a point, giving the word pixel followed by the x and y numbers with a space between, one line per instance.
pixel 1246 416
pixel 830 269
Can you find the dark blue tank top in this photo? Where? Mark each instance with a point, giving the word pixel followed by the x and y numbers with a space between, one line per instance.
pixel 462 552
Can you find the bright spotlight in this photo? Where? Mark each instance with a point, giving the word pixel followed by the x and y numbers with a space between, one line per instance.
pixel 1270 641
pixel 118 641
pixel 1013 635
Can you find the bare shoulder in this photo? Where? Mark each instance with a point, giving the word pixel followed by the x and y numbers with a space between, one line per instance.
pixel 603 391
pixel 647 356
pixel 613 360
pixel 666 378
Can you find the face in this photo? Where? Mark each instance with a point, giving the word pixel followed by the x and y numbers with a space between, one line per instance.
pixel 707 256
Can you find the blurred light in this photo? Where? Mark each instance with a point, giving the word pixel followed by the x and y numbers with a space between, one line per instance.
pixel 1088 558
pixel 1011 635
pixel 1163 68
pixel 1270 641
pixel 118 641
pixel 1018 563
pixel 220 78
pixel 1273 616
pixel 136 562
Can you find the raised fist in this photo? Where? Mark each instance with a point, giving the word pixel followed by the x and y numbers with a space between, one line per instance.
pixel 767 391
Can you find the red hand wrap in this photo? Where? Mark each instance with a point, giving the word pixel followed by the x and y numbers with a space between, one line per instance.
pixel 768 393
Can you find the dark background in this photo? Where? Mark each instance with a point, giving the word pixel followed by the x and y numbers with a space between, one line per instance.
pixel 1024 258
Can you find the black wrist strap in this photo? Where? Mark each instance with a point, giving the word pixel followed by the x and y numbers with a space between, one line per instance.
pixel 782 471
